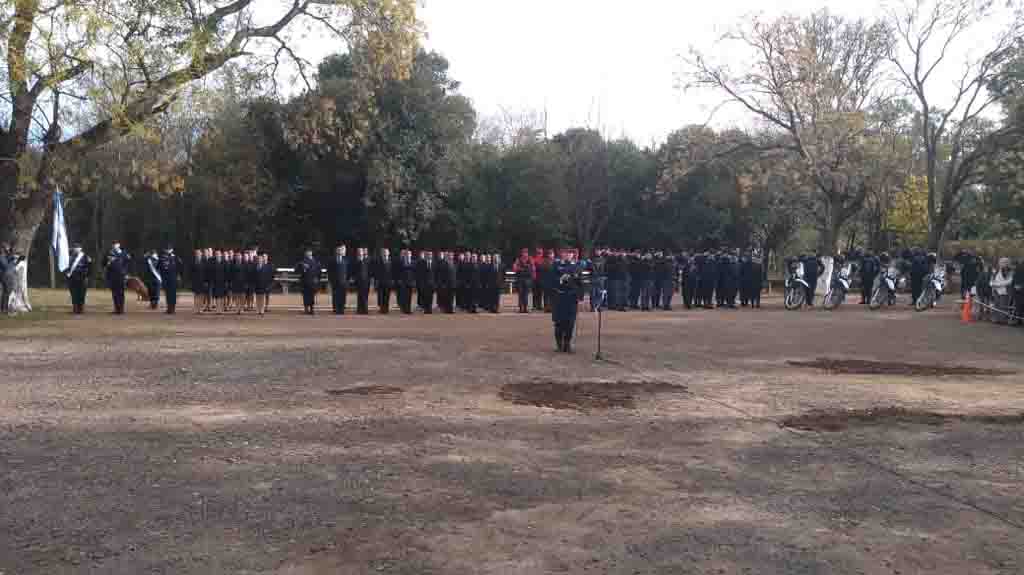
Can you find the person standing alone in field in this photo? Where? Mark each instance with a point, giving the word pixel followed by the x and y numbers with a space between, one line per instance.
pixel 78 275
pixel 116 266
pixel 170 266
pixel 309 278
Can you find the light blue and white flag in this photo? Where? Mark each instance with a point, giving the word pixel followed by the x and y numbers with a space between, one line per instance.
pixel 59 241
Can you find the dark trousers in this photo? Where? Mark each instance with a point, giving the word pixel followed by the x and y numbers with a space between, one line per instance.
pixel 538 296
pixel 383 299
pixel 482 297
pixel 634 293
pixel 117 294
pixel 469 301
pixel 564 331
pixel 667 291
pixel 405 299
pixel 363 299
pixel 445 299
pixel 153 287
pixel 308 298
pixel 916 286
pixel 339 293
pixel 77 289
pixel 171 292
pixel 617 294
pixel 754 293
pixel 5 296
pixel 867 283
pixel 523 287
pixel 688 292
pixel 425 299
pixel 810 289
pixel 646 294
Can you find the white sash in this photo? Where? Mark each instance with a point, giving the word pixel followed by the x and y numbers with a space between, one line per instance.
pixel 153 269
pixel 74 264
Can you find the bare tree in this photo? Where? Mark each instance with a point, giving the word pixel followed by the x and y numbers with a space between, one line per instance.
pixel 130 59
pixel 816 79
pixel 956 140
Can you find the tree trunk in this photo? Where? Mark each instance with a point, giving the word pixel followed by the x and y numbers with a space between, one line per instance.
pixel 21 217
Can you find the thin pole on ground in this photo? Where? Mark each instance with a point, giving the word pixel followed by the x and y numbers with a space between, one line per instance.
pixel 53 272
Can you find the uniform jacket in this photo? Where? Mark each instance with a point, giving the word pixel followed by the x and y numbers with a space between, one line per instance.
pixel 309 273
pixel 80 272
pixel 426 273
pixel 337 271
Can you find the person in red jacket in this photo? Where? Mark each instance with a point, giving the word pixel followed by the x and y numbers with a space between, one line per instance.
pixel 525 272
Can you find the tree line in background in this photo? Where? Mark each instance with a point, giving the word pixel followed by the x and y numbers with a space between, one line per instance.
pixel 181 139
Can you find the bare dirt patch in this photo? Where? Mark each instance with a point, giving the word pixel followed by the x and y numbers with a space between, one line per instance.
pixel 865 367
pixel 365 390
pixel 586 395
pixel 838 420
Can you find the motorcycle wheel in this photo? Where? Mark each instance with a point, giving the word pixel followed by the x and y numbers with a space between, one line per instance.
pixel 833 299
pixel 795 298
pixel 878 295
pixel 925 300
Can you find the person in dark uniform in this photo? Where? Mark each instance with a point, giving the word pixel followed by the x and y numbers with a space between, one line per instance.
pixel 250 280
pixel 217 278
pixel 383 277
pixel 362 272
pixel 870 267
pixel 485 288
pixel 918 271
pixel 496 283
pixel 756 280
pixel 78 276
pixel 238 276
pixel 153 279
pixel 473 287
pixel 446 282
pixel 464 275
pixel 812 267
pixel 337 275
pixel 567 295
pixel 969 269
pixel 709 279
pixel 170 267
pixel 264 282
pixel 426 281
pixel 308 271
pixel 117 264
pixel 664 284
pixel 525 271
pixel 405 281
pixel 684 267
pixel 745 279
pixel 196 276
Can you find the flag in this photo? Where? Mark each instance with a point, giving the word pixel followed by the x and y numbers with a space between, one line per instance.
pixel 59 242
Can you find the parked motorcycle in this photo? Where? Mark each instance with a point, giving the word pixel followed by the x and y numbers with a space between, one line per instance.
pixel 935 284
pixel 839 286
pixel 796 286
pixel 884 290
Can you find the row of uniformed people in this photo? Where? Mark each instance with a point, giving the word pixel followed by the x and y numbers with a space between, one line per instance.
pixel 647 280
pixel 468 281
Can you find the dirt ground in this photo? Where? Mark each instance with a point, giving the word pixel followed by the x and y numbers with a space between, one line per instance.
pixel 465 445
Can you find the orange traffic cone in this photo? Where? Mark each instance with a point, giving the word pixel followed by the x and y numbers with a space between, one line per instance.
pixel 965 312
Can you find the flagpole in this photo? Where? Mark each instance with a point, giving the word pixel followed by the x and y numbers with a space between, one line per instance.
pixel 53 273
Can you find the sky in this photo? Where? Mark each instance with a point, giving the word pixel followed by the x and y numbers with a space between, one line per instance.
pixel 598 63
